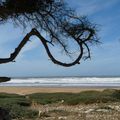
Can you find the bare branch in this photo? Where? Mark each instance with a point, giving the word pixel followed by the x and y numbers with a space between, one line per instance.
pixel 44 41
pixel 54 18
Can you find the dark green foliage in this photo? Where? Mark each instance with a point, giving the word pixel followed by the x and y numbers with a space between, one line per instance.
pixel 91 97
pixel 14 99
pixel 87 97
pixel 17 105
pixel 5 95
pixel 17 111
pixel 47 98
pixel 21 112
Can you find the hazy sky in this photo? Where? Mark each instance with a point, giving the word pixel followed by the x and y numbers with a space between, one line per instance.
pixel 33 61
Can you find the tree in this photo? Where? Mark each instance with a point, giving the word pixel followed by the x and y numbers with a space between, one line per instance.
pixel 54 18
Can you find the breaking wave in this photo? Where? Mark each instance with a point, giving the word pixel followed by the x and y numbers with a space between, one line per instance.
pixel 65 81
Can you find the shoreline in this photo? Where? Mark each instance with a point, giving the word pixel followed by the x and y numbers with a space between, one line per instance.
pixel 29 90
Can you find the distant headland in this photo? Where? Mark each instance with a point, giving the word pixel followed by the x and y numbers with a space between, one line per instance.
pixel 4 79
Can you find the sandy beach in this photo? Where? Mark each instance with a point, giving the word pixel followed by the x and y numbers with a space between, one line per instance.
pixel 30 90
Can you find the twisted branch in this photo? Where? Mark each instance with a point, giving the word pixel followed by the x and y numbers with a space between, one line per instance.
pixel 45 44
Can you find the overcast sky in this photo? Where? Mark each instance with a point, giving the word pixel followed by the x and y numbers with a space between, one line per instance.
pixel 33 60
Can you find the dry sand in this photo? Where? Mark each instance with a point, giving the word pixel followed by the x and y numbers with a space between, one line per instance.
pixel 29 90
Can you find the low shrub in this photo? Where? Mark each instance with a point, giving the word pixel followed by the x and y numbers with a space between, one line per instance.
pixel 86 97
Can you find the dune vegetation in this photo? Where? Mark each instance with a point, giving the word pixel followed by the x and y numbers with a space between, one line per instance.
pixel 19 106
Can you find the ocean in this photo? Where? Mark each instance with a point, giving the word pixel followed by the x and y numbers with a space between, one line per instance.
pixel 65 82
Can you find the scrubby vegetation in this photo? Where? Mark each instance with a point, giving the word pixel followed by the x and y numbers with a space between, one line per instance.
pixel 86 97
pixel 19 106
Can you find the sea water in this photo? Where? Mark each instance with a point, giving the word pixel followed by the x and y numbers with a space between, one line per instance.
pixel 65 82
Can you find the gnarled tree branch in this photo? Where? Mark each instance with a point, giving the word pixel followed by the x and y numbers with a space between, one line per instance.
pixel 44 42
pixel 54 18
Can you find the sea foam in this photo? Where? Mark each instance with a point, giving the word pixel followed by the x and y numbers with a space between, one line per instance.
pixel 65 81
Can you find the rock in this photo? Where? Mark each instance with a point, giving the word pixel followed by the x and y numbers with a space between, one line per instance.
pixel 62 118
pixel 62 101
pixel 39 114
pixel 4 79
pixel 102 110
pixel 117 108
pixel 90 110
pixel 4 114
